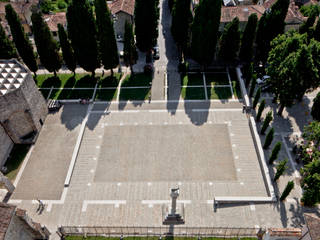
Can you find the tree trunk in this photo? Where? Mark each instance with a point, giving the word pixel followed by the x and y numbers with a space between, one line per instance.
pixel 55 73
pixel 93 73
pixel 280 109
pixel 35 74
pixel 74 73
pixel 111 72
pixel 131 69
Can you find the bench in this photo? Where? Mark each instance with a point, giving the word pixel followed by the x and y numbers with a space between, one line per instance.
pixel 54 105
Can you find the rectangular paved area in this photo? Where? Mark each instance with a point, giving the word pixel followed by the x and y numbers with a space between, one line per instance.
pixel 47 167
pixel 165 153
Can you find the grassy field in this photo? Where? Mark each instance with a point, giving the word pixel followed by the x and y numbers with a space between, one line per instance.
pixel 192 79
pixel 155 238
pixel 106 94
pixel 193 93
pixel 219 92
pixel 217 79
pixel 137 80
pixel 13 164
pixel 132 94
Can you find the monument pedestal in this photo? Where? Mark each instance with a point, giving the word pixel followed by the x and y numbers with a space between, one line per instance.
pixel 170 218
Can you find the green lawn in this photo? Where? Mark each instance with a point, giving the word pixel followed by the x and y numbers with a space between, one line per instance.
pixel 155 238
pixel 45 92
pixel 137 80
pixel 106 94
pixel 127 94
pixel 63 80
pixel 219 92
pixel 193 93
pixel 110 81
pixel 73 94
pixel 192 79
pixel 217 79
pixel 13 164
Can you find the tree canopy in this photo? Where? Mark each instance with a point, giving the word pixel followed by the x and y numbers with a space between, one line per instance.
pixel 7 49
pixel 146 16
pixel 293 67
pixel 270 25
pixel 20 39
pixel 130 54
pixel 83 34
pixel 315 110
pixel 67 51
pixel 107 42
pixel 230 41
pixel 181 22
pixel 205 29
pixel 247 40
pixel 47 47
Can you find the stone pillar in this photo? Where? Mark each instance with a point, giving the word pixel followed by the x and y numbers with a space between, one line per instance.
pixel 174 195
pixel 7 183
pixel 172 217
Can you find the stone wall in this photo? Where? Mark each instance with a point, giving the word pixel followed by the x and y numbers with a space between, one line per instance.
pixel 5 146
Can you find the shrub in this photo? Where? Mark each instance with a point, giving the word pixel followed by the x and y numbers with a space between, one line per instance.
pixel 266 122
pixel 287 190
pixel 62 5
pixel 275 152
pixel 45 6
pixel 260 110
pixel 256 98
pixel 282 166
pixel 269 138
pixel 252 86
pixel 315 111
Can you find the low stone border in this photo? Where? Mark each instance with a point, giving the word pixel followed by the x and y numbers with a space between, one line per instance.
pixel 218 200
pixel 243 88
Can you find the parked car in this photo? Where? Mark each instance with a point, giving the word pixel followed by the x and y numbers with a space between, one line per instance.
pixel 262 80
pixel 156 54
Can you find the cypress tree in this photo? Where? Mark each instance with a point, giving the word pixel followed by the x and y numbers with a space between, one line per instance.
pixel 146 16
pixel 246 49
pixel 252 87
pixel 315 110
pixel 230 41
pixel 287 190
pixel 275 152
pixel 266 122
pixel 107 41
pixel 280 169
pixel 248 73
pixel 316 32
pixel 304 27
pixel 83 35
pixel 205 28
pixel 180 25
pixel 260 110
pixel 47 47
pixel 20 39
pixel 67 51
pixel 7 50
pixel 256 98
pixel 270 25
pixel 130 54
pixel 268 139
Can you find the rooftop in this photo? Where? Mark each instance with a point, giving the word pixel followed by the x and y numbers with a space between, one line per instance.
pixel 6 213
pixel 12 74
pixel 126 6
pixel 54 19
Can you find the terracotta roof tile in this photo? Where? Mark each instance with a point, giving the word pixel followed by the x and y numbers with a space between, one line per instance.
pixel 242 12
pixel 126 6
pixel 6 213
pixel 54 19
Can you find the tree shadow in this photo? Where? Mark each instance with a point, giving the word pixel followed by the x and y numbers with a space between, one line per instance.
pixel 72 115
pixel 51 82
pixel 64 94
pixel 86 82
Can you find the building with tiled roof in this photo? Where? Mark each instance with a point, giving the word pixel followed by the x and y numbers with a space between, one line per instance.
pixel 313 226
pixel 122 11
pixel 16 224
pixel 54 19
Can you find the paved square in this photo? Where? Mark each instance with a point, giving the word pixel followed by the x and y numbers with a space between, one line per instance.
pixel 165 153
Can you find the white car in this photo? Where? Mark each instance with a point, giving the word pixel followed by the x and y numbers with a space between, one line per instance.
pixel 262 80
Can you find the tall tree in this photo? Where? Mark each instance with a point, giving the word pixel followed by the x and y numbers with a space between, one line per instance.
pixel 230 41
pixel 315 110
pixel 7 50
pixel 270 25
pixel 247 40
pixel 130 54
pixel 47 47
pixel 67 51
pixel 20 39
pixel 316 32
pixel 107 41
pixel 293 67
pixel 146 18
pixel 180 25
pixel 83 34
pixel 205 29
pixel 305 26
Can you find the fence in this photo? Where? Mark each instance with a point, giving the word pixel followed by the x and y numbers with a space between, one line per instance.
pixel 171 230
